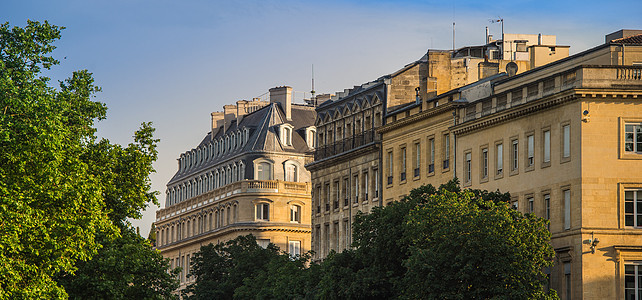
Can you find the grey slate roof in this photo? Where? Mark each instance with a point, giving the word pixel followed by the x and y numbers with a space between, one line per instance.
pixel 263 125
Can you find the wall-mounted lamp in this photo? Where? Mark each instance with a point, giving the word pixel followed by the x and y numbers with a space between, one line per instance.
pixel 593 242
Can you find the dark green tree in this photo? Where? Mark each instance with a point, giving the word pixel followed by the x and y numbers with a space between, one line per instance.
pixel 126 267
pixel 472 245
pixel 151 237
pixel 242 269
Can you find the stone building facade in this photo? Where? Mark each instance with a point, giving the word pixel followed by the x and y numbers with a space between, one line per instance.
pixel 565 140
pixel 347 171
pixel 247 176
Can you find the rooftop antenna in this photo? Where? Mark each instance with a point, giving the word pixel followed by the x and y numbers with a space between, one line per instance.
pixel 500 20
pixel 453 39
pixel 312 91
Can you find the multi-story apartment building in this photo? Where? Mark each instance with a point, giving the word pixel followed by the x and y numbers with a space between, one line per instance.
pixel 247 176
pixel 347 171
pixel 565 140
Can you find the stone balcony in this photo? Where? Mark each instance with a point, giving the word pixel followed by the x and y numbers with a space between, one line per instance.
pixel 233 189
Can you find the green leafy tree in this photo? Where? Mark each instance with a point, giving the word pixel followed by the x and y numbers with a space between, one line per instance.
pixel 242 269
pixel 472 245
pixel 125 268
pixel 51 205
pixel 151 237
pixel 64 195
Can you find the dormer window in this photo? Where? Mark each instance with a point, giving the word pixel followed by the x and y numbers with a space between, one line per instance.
pixel 286 134
pixel 310 136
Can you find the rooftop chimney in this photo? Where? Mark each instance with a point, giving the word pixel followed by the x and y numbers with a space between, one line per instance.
pixel 230 114
pixel 217 120
pixel 283 96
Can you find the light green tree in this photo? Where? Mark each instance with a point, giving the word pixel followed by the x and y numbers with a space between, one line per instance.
pixel 64 194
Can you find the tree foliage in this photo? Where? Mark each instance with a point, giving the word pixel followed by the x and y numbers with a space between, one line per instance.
pixel 435 244
pixel 126 267
pixel 242 269
pixel 64 194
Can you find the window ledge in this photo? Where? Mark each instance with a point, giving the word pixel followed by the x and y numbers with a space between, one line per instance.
pixel 631 156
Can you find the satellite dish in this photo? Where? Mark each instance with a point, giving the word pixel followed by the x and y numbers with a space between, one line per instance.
pixel 511 68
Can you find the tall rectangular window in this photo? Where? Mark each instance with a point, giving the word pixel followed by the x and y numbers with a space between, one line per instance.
pixel 446 164
pixel 376 182
pixel 633 208
pixel 337 192
pixel 417 159
pixel 531 150
pixel 355 185
pixel 547 209
pixel 566 142
pixel 403 164
pixel 567 209
pixel 547 146
pixel 633 138
pixel 567 281
pixel 431 148
pixel 484 161
pixel 633 281
pixel 467 167
pixel 346 198
pixel 500 159
pixel 365 186
pixel 514 155
pixel 531 205
pixel 390 167
pixel 346 226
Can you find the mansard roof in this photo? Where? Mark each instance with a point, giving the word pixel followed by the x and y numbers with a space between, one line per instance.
pixel 263 126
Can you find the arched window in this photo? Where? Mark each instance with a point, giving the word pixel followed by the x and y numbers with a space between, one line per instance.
pixel 234 173
pixel 229 175
pixel 216 219
pixel 241 170
pixel 229 213
pixel 189 190
pixel 263 171
pixel 223 177
pixel 187 234
pixel 216 183
pixel 235 214
pixel 286 134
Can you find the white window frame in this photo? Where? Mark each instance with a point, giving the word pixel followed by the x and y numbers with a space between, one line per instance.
pixel 294 248
pixel 633 137
pixel 295 213
pixel 262 211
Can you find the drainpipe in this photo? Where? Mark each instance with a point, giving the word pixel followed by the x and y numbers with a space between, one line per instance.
pixel 454 145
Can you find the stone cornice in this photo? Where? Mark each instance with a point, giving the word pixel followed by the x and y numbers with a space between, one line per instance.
pixel 343 156
pixel 415 118
pixel 514 112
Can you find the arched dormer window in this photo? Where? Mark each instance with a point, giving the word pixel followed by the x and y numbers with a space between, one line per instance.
pixel 246 135
pixel 291 171
pixel 223 177
pixel 216 180
pixel 228 180
pixel 233 141
pixel 241 170
pixel 239 139
pixel 263 169
pixel 234 173
pixel 311 136
pixel 286 134
pixel 227 144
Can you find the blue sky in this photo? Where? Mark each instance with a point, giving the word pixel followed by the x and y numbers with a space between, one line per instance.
pixel 174 62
